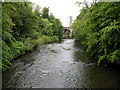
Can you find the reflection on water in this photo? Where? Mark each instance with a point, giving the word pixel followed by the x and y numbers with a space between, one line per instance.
pixel 59 65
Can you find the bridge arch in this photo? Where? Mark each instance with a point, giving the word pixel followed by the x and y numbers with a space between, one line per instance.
pixel 68 32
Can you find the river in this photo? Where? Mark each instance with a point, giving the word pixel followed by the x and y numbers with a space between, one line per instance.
pixel 62 64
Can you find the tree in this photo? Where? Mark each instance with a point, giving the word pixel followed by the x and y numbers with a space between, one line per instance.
pixel 24 29
pixel 45 12
pixel 98 29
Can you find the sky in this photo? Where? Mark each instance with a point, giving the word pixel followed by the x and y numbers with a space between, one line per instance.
pixel 61 9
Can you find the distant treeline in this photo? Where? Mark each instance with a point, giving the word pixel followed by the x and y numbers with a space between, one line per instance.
pixel 24 27
pixel 98 29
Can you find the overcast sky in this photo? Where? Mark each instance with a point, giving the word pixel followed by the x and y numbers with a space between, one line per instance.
pixel 61 9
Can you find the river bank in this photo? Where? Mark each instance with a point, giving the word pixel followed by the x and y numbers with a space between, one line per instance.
pixel 26 47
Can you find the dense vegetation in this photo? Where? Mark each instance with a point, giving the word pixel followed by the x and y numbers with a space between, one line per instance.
pixel 24 27
pixel 98 29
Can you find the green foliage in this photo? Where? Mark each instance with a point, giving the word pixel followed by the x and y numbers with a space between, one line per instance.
pixel 52 23
pixel 25 28
pixel 98 28
pixel 56 26
pixel 45 13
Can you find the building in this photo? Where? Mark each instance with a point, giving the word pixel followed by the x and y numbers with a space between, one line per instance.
pixel 68 30
pixel 70 19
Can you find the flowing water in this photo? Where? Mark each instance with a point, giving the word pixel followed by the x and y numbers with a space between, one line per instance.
pixel 59 65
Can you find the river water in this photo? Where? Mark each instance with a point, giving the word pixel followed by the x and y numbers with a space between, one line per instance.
pixel 59 65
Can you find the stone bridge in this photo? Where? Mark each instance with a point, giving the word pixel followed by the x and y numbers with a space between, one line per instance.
pixel 68 32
